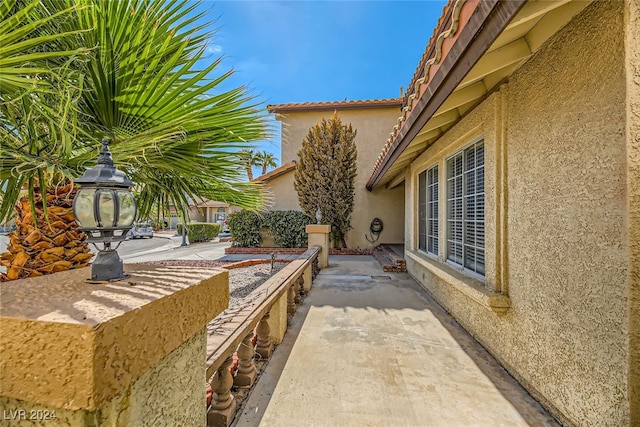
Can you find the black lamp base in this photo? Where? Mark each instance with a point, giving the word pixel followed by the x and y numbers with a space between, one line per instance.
pixel 107 266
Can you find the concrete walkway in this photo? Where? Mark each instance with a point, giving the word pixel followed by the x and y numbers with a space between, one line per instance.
pixel 370 348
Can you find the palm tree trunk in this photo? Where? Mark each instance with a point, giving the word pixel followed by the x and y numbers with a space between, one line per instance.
pixel 249 173
pixel 40 247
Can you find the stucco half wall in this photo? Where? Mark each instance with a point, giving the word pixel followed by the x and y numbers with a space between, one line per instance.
pixel 632 59
pixel 555 222
pixel 373 126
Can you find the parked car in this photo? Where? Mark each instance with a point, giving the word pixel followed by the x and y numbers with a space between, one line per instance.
pixel 7 229
pixel 139 230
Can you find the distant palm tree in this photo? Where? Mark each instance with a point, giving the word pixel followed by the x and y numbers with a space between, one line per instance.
pixel 266 159
pixel 249 159
pixel 128 70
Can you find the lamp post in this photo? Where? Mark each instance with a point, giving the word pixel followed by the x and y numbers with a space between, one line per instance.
pixel 184 234
pixel 105 208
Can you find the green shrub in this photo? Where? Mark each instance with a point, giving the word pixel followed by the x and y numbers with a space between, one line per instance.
pixel 245 228
pixel 201 231
pixel 286 227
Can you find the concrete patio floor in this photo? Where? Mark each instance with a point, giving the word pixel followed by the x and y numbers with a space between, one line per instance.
pixel 369 348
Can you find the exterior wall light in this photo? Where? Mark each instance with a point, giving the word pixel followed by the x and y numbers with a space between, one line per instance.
pixel 105 208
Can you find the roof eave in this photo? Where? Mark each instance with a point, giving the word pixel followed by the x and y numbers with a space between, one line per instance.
pixel 284 169
pixel 348 105
pixel 488 20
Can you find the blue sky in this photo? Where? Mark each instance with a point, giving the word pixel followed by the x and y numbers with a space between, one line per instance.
pixel 309 51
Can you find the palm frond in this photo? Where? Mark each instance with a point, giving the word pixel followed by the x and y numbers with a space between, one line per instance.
pixel 140 82
pixel 24 31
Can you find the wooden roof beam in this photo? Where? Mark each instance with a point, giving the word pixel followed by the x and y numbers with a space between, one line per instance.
pixel 493 61
pixel 533 10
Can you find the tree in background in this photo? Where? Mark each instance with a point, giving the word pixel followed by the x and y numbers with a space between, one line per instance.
pixel 266 160
pixel 325 175
pixel 75 71
pixel 248 159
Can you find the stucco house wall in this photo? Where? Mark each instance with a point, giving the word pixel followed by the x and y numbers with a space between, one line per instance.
pixel 556 236
pixel 282 196
pixel 372 125
pixel 632 60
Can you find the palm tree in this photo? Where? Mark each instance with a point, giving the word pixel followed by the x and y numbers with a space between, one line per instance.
pixel 139 84
pixel 248 159
pixel 266 159
pixel 24 27
pixel 33 109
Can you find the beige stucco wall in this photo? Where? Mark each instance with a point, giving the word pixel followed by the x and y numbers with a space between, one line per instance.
pixel 281 194
pixel 129 352
pixel 632 59
pixel 373 126
pixel 556 224
pixel 171 393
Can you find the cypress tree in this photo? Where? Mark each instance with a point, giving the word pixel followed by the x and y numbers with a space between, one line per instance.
pixel 325 175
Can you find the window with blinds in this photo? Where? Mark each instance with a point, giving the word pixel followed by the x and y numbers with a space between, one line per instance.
pixel 422 211
pixel 465 209
pixel 428 210
pixel 432 210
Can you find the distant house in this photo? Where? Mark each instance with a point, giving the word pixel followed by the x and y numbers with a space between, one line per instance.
pixel 204 211
pixel 211 211
pixel 518 150
pixel 372 120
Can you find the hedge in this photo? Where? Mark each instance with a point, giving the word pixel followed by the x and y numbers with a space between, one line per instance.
pixel 287 228
pixel 201 231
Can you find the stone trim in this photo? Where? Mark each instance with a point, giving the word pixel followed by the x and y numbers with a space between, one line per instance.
pixel 250 262
pixel 497 303
pixel 297 251
pixel 279 251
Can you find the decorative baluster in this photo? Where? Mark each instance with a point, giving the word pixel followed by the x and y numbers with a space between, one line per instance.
pixel 263 345
pixel 291 302
pixel 303 290
pixel 297 288
pixel 246 368
pixel 223 404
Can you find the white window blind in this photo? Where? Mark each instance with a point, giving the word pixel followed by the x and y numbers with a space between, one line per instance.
pixel 465 208
pixel 422 211
pixel 432 210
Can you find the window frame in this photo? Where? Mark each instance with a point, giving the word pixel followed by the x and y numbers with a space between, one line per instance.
pixel 427 207
pixel 464 243
pixel 433 205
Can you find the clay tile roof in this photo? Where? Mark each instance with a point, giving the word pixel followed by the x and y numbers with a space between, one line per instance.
pixel 276 172
pixel 337 105
pixel 445 17
pixel 447 27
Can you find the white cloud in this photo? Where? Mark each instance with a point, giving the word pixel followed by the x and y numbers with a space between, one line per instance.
pixel 214 48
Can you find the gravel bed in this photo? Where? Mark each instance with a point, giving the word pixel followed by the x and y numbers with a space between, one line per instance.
pixel 242 281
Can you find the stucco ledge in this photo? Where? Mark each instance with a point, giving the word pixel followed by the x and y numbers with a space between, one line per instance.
pixel 498 303
pixel 72 345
